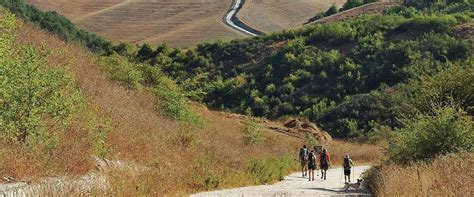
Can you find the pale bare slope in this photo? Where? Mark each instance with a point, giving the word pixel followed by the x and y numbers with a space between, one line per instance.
pixel 295 185
pixel 177 22
pixel 276 15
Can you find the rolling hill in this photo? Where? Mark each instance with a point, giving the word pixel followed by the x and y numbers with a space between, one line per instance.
pixel 178 23
pixel 276 15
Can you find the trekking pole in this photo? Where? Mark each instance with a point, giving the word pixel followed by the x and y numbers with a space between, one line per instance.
pixel 353 173
pixel 342 172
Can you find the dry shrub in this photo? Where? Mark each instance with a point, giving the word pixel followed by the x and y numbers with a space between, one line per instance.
pixel 359 153
pixel 450 175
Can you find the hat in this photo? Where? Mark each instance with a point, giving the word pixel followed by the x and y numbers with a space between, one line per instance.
pixel 346 156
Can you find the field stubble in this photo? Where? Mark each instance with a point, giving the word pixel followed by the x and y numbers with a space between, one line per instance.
pixel 178 22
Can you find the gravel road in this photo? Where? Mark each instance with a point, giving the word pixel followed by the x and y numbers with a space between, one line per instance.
pixel 295 185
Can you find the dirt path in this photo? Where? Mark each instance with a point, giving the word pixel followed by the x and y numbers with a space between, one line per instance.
pixel 295 185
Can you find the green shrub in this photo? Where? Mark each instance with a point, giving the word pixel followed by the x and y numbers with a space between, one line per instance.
pixel 333 33
pixel 270 169
pixel 253 132
pixel 331 10
pixel 173 102
pixel 122 70
pixel 448 130
pixel 426 23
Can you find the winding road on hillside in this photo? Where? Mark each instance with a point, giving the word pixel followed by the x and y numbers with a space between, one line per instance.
pixel 295 185
pixel 232 20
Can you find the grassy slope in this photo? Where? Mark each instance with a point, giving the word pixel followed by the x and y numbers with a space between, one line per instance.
pixel 450 175
pixel 274 15
pixel 178 23
pixel 142 135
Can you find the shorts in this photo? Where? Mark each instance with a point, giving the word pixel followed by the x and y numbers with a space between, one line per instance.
pixel 324 166
pixel 304 163
pixel 347 172
pixel 312 166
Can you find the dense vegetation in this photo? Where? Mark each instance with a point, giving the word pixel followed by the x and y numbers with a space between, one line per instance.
pixel 351 77
pixel 347 76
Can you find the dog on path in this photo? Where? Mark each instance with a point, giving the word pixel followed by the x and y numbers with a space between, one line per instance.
pixel 353 185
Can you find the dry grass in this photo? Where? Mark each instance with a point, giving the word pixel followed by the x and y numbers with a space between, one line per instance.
pixel 178 22
pixel 277 15
pixel 360 153
pixel 445 176
pixel 141 134
pixel 371 8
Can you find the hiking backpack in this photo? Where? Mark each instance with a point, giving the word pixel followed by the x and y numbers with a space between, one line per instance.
pixel 303 154
pixel 312 159
pixel 324 159
pixel 347 164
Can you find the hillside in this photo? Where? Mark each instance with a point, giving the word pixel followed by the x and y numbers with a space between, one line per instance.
pixel 178 23
pixel 137 125
pixel 344 75
pixel 401 78
pixel 274 15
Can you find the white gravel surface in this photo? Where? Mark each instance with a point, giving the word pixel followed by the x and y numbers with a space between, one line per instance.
pixel 295 185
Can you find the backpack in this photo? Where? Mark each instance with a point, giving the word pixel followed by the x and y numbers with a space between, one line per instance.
pixel 347 164
pixel 312 159
pixel 324 159
pixel 303 154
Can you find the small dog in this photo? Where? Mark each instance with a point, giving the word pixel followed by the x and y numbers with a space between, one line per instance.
pixel 353 185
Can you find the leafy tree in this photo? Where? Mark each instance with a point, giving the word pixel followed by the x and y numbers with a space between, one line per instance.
pixel 33 97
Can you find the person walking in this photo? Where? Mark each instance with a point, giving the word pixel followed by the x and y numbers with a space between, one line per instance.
pixel 324 163
pixel 347 164
pixel 303 155
pixel 311 165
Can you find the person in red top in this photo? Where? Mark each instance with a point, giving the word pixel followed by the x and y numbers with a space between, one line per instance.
pixel 324 163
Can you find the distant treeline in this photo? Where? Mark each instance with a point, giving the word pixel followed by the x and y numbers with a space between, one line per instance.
pixel 357 79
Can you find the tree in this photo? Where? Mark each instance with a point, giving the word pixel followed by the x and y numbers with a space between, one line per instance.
pixel 33 97
pixel 332 10
pixel 145 52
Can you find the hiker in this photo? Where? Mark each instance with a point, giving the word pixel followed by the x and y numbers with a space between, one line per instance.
pixel 317 150
pixel 311 164
pixel 304 160
pixel 347 164
pixel 324 163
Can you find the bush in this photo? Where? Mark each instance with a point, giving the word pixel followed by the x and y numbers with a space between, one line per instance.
pixel 430 23
pixel 448 130
pixel 331 10
pixel 173 102
pixel 121 69
pixel 333 33
pixel 270 169
pixel 253 132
